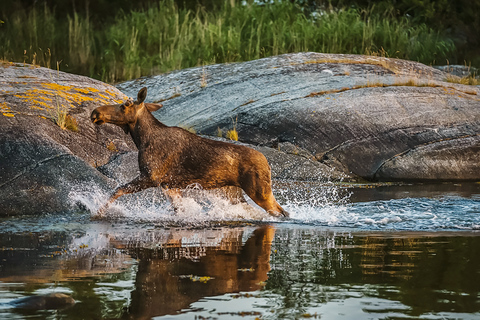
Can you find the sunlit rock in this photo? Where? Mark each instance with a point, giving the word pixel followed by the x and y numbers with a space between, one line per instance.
pixel 374 117
pixel 41 154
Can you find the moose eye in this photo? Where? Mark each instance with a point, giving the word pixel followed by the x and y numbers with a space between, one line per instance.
pixel 128 103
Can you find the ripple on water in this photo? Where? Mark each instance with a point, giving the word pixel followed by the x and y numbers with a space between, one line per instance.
pixel 444 213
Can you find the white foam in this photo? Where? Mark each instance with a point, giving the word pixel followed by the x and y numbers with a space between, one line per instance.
pixel 322 205
pixel 196 207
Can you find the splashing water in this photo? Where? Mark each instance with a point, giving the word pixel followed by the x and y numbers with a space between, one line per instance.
pixel 197 207
pixel 314 203
pixel 325 204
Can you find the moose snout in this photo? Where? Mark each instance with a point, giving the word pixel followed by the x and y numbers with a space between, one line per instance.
pixel 97 117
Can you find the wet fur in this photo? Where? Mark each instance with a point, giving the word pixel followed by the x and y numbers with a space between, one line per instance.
pixel 174 158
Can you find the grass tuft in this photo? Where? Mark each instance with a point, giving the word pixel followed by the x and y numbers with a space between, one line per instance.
pixel 71 123
pixel 232 134
pixel 203 78
pixel 470 80
pixel 62 119
pixel 189 128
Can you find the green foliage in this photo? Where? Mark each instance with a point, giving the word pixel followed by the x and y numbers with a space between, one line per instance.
pixel 165 37
pixel 459 20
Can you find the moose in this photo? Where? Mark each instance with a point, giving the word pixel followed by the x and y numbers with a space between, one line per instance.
pixel 174 158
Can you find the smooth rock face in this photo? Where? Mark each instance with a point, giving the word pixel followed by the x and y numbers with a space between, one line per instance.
pixel 37 173
pixel 39 162
pixel 377 118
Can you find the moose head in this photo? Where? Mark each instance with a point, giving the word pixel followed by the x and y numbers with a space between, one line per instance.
pixel 124 115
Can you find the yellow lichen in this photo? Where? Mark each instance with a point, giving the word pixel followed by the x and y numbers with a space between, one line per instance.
pixel 86 90
pixel 111 93
pixel 6 110
pixel 56 86
pixel 53 91
pixel 103 96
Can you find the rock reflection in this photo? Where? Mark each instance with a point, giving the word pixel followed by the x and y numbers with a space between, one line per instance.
pixel 427 272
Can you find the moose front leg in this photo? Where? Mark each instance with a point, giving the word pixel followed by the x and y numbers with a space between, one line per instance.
pixel 173 196
pixel 138 184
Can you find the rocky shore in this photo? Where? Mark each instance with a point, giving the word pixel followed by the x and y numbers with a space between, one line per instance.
pixel 316 117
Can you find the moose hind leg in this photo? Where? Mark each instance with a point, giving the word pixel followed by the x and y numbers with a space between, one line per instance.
pixel 233 194
pixel 260 191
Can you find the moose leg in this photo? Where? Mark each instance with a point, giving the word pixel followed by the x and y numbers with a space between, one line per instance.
pixel 233 194
pixel 138 184
pixel 267 201
pixel 173 195
pixel 259 189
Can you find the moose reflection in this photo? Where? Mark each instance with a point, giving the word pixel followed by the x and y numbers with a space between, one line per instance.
pixel 168 281
pixel 174 267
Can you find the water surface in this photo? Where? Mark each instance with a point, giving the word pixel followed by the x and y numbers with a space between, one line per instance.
pixel 389 252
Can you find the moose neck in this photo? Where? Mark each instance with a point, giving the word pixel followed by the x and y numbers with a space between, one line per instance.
pixel 142 130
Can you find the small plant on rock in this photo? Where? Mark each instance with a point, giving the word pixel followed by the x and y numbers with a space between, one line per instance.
pixel 61 118
pixel 233 134
pixel 203 79
pixel 468 80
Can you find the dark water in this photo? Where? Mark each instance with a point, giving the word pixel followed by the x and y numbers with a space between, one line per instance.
pixel 390 252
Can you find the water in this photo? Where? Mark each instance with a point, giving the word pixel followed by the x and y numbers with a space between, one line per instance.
pixel 389 252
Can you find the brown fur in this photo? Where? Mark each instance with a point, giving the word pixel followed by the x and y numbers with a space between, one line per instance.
pixel 174 158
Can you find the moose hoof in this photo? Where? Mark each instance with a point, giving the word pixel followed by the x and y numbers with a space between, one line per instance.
pixel 283 215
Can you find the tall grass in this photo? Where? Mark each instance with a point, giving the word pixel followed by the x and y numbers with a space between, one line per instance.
pixel 164 37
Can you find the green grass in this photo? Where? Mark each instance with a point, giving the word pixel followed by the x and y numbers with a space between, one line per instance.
pixel 164 38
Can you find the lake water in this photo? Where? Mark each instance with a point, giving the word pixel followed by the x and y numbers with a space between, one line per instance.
pixel 362 252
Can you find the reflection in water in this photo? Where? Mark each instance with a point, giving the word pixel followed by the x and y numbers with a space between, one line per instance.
pixel 169 280
pixel 134 274
pixel 271 272
pixel 416 273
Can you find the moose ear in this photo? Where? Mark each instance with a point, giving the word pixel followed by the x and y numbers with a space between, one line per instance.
pixel 142 94
pixel 153 106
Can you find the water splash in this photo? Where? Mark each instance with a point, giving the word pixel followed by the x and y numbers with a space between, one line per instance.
pixel 315 203
pixel 197 207
pixel 324 204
